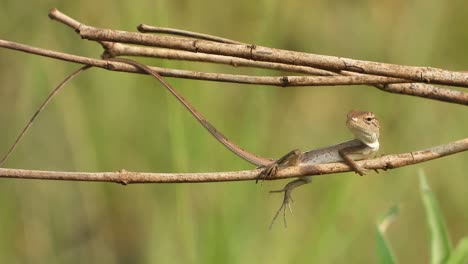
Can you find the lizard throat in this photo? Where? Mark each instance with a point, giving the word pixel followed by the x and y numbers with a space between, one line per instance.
pixel 373 145
pixel 368 138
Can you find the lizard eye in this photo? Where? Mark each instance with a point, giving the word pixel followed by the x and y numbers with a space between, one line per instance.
pixel 368 119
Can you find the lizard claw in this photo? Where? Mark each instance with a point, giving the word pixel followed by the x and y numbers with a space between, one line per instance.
pixel 290 159
pixel 360 172
pixel 268 171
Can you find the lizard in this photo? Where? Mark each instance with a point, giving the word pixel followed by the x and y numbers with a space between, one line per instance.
pixel 363 125
pixel 366 129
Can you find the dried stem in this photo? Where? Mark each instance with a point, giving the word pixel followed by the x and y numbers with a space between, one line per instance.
pixel 150 29
pixel 259 53
pixel 414 89
pixel 394 85
pixel 427 91
pixel 220 77
pixel 422 90
pixel 126 177
pixel 114 49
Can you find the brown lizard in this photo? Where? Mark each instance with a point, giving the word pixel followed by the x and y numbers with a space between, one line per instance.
pixel 363 125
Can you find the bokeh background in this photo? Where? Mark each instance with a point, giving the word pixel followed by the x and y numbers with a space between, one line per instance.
pixel 106 121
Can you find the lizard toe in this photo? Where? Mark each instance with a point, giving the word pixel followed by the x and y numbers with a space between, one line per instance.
pixel 267 172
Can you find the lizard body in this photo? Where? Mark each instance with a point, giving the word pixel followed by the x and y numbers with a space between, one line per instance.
pixel 364 126
pixel 366 130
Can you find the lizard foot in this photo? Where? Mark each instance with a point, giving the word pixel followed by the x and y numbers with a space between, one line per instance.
pixel 360 171
pixel 268 171
pixel 292 158
pixel 287 199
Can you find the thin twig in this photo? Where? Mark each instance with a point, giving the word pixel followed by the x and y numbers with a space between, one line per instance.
pixel 172 31
pixel 126 177
pixel 427 91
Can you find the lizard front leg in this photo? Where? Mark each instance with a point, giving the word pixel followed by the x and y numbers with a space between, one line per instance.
pixel 346 154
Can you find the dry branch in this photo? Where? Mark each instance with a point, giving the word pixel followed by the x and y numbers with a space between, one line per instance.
pixel 220 77
pixel 328 70
pixel 427 91
pixel 114 49
pixel 260 53
pixel 389 84
pixel 421 90
pixel 127 177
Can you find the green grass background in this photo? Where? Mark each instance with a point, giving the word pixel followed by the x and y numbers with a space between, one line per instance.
pixel 106 121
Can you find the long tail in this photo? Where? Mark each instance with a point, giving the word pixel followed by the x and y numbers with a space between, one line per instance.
pixel 250 157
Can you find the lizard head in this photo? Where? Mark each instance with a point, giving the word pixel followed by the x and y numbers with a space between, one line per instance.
pixel 364 126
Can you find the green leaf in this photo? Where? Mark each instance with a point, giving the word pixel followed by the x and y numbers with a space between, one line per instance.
pixel 384 249
pixel 460 253
pixel 439 239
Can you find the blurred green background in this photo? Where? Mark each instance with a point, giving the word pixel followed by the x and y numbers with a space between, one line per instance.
pixel 106 121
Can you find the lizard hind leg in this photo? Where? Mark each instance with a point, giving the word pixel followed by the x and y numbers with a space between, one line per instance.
pixel 287 199
pixel 292 158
